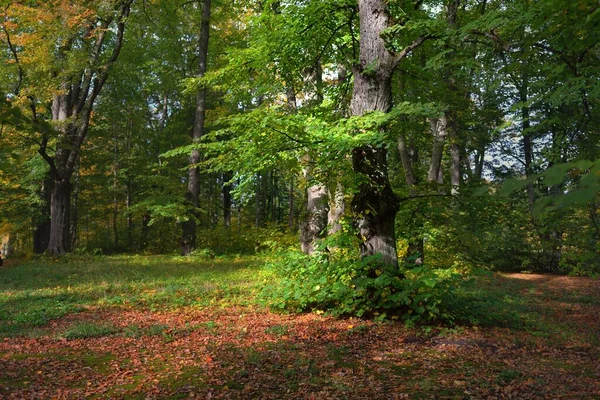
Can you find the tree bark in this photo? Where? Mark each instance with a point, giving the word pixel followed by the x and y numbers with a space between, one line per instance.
pixel 60 205
pixel 337 208
pixel 375 204
pixel 188 237
pixel 439 129
pixel 315 222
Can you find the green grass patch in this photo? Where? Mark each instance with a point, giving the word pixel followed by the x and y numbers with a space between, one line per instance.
pixel 35 292
pixel 86 329
pixel 277 330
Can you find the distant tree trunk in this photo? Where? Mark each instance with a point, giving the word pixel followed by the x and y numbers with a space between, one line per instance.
pixel 479 160
pixel 291 206
pixel 130 226
pixel 115 192
pixel 439 131
pixel 227 199
pixel 337 208
pixel 416 248
pixel 257 201
pixel 314 219
pixel 74 210
pixel 375 203
pixel 145 231
pixel 527 144
pixel 188 237
pixel 313 225
pixel 41 224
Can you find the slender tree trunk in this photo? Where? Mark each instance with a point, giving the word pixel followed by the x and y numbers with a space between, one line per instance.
pixel 257 200
pixel 439 129
pixel 337 208
pixel 227 199
pixel 145 231
pixel 455 174
pixel 375 203
pixel 41 232
pixel 479 160
pixel 527 144
pixel 416 246
pixel 74 210
pixel 188 237
pixel 291 206
pixel 314 221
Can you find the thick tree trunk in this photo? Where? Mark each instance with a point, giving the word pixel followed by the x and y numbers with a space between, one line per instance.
pixel 188 237
pixel 314 224
pixel 375 204
pixel 337 209
pixel 60 206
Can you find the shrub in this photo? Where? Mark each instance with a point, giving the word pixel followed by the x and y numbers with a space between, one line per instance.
pixel 347 286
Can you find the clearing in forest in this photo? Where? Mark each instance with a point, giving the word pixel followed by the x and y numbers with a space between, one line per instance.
pixel 169 327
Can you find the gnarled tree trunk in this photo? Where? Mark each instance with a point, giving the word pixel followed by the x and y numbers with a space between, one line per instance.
pixel 375 204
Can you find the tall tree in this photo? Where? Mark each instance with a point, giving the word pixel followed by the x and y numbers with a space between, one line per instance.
pixel 84 41
pixel 188 238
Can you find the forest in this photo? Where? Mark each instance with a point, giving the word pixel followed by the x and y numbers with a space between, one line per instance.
pixel 299 198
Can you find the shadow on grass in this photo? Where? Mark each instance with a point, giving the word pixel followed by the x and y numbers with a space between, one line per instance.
pixel 34 293
pixel 518 301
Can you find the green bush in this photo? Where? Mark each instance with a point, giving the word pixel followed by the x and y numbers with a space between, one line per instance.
pixel 346 286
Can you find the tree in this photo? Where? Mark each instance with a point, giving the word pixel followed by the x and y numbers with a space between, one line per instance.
pixel 188 237
pixel 83 41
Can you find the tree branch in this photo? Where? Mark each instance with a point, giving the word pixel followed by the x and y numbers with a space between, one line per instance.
pixel 406 51
pixel 14 53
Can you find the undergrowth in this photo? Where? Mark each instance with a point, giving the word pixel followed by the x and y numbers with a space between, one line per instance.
pixel 342 285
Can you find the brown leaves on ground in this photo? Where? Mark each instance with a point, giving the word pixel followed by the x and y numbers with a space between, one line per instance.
pixel 242 353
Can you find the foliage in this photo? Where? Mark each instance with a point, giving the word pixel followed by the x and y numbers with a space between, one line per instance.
pixel 342 284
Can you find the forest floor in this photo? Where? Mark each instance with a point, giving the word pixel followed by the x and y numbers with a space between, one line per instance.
pixel 118 327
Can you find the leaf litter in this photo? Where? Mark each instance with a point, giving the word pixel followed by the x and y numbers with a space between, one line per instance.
pixel 240 352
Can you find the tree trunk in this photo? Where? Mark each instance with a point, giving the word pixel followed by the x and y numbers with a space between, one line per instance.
pixel 188 237
pixel 375 204
pixel 337 208
pixel 439 130
pixel 227 199
pixel 291 206
pixel 41 224
pixel 60 206
pixel 314 224
pixel 415 252
pixel 74 211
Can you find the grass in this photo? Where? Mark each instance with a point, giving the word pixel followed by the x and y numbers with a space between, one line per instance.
pixel 86 329
pixel 183 326
pixel 38 291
